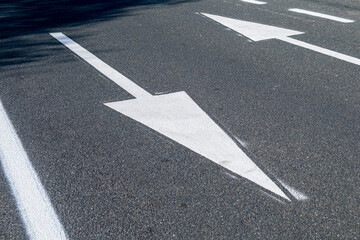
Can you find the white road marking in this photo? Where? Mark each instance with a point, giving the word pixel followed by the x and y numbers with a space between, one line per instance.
pixel 321 15
pixel 321 50
pixel 251 30
pixel 102 67
pixel 37 213
pixel 231 176
pixel 258 32
pixel 254 2
pixel 297 194
pixel 242 142
pixel 178 117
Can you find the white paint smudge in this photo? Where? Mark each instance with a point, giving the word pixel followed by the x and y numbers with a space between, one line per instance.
pixel 296 193
pixel 242 142
pixel 271 196
pixel 231 175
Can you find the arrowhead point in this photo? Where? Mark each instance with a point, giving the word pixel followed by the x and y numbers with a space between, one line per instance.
pixel 179 118
pixel 251 30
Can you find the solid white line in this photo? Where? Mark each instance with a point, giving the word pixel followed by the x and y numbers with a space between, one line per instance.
pixel 105 69
pixel 321 50
pixel 254 2
pixel 321 15
pixel 38 215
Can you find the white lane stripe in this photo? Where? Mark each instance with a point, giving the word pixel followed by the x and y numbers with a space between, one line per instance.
pixel 321 15
pixel 254 2
pixel 102 67
pixel 321 50
pixel 38 215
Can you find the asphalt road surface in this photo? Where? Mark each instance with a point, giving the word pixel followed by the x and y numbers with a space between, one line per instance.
pixel 86 171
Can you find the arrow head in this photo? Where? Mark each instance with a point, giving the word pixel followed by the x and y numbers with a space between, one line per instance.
pixel 253 31
pixel 179 118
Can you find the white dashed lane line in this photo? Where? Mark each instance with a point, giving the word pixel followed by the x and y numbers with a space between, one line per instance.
pixel 321 15
pixel 254 2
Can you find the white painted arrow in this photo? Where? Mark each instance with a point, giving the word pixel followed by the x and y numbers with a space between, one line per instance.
pixel 258 32
pixel 179 118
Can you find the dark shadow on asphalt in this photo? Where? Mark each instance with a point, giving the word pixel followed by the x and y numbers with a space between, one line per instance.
pixel 21 18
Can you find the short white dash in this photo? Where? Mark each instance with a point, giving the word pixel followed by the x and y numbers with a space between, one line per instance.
pixel 37 213
pixel 297 194
pixel 254 2
pixel 321 15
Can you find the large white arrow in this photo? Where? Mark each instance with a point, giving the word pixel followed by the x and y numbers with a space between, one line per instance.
pixel 179 118
pixel 258 32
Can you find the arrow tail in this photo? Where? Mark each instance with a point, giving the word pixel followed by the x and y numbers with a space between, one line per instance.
pixel 321 50
pixel 101 66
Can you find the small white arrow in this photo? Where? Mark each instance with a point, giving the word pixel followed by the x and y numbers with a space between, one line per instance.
pixel 258 32
pixel 179 118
